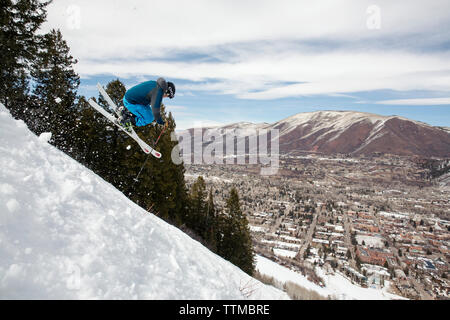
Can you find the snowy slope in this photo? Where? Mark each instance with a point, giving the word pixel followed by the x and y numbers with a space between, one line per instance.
pixel 336 286
pixel 338 120
pixel 67 234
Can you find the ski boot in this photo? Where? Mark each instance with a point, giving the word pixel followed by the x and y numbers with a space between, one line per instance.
pixel 126 119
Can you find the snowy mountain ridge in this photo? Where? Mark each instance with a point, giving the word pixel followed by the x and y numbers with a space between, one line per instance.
pixel 352 132
pixel 67 234
pixel 340 119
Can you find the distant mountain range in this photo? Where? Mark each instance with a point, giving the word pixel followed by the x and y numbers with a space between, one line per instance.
pixel 355 133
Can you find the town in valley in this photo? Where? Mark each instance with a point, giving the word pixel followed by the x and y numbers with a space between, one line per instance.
pixel 379 220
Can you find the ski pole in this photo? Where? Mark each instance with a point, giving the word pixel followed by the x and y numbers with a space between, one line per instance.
pixel 142 167
pixel 162 131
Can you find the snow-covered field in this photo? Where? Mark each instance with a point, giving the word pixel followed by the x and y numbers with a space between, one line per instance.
pixel 396 215
pixel 283 244
pixel 336 286
pixel 257 229
pixel 67 234
pixel 370 241
pixel 285 253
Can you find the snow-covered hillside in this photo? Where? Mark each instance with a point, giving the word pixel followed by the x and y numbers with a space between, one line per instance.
pixel 336 285
pixel 67 234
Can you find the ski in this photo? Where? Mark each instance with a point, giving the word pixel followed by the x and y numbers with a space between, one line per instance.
pixel 144 146
pixel 107 98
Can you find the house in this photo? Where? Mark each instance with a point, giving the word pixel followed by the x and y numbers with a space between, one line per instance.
pixel 373 256
pixel 316 243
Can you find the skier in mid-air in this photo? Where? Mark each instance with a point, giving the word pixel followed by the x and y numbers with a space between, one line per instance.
pixel 142 103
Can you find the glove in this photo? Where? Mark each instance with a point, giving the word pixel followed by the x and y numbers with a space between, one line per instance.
pixel 160 121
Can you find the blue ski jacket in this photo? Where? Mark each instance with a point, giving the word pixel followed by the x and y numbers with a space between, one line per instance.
pixel 148 93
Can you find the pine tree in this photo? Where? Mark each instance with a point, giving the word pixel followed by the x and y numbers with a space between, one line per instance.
pixel 211 222
pixel 211 209
pixel 56 85
pixel 235 243
pixel 90 139
pixel 197 216
pixel 180 198
pixel 169 194
pixel 115 153
pixel 19 22
pixel 181 204
pixel 155 187
pixel 89 129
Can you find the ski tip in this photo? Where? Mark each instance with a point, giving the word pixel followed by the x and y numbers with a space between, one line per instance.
pixel 155 153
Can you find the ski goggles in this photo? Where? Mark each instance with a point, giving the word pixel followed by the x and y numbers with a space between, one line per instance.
pixel 169 92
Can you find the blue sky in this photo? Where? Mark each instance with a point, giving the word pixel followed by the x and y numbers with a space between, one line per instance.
pixel 262 61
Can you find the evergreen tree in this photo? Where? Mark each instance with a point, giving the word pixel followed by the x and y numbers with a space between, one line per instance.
pixel 89 131
pixel 235 243
pixel 211 224
pixel 98 144
pixel 181 207
pixel 161 183
pixel 201 216
pixel 56 85
pixel 197 216
pixel 173 173
pixel 19 22
pixel 114 151
pixel 157 178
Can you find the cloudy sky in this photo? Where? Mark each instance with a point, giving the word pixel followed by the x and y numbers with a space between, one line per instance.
pixel 262 61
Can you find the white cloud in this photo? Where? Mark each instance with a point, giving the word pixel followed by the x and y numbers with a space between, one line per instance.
pixel 417 102
pixel 136 27
pixel 172 107
pixel 334 72
pixel 188 123
pixel 256 44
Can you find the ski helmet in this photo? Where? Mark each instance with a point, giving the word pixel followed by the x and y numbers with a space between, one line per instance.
pixel 170 89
